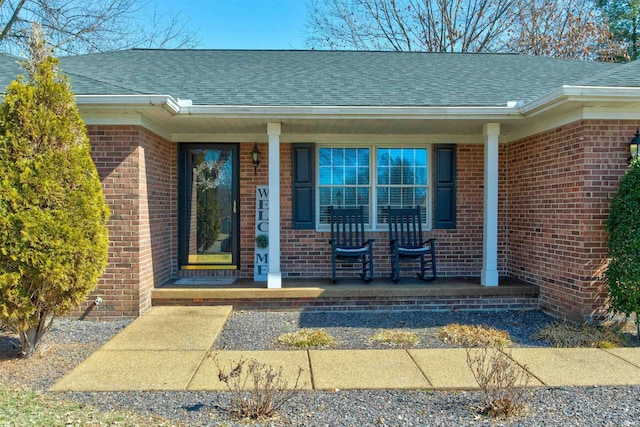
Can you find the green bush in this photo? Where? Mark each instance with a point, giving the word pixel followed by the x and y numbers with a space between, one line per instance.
pixel 623 227
pixel 53 234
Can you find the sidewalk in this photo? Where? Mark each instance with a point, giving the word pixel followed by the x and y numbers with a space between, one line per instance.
pixel 166 349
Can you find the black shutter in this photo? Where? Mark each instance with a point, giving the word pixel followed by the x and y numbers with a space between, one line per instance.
pixel 303 200
pixel 445 186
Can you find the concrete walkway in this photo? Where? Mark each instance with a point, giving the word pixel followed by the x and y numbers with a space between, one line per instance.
pixel 168 347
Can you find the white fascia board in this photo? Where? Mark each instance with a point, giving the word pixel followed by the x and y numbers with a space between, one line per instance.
pixel 337 112
pixel 182 108
pixel 580 94
pixel 167 102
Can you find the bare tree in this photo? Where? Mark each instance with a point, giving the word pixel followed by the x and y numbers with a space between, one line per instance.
pixel 81 26
pixel 409 25
pixel 562 28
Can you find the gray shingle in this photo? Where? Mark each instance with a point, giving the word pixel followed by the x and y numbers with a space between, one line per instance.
pixel 335 78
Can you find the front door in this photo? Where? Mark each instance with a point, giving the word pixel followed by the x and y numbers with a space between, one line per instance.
pixel 208 206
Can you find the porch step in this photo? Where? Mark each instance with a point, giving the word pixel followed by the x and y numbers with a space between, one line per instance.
pixel 352 295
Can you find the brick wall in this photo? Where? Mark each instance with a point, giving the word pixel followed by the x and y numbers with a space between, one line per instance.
pixel 553 202
pixel 139 175
pixel 158 212
pixel 559 185
pixel 137 172
pixel 306 253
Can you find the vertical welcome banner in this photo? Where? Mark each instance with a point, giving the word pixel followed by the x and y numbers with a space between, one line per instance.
pixel 261 257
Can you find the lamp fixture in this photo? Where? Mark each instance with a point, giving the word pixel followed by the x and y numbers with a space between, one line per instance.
pixel 255 157
pixel 633 146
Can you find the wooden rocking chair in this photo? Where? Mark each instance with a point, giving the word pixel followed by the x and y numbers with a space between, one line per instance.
pixel 406 244
pixel 348 242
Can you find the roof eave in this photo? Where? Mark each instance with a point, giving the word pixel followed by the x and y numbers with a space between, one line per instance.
pixel 349 112
pixel 569 93
pixel 167 102
pixel 182 108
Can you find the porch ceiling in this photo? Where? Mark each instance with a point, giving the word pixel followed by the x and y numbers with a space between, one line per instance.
pixel 328 126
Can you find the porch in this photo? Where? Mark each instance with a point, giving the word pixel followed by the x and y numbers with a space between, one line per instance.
pixel 443 294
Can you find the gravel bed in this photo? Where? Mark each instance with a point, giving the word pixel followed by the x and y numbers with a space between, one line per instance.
pixel 353 330
pixel 572 406
pixel 70 341
pixel 67 343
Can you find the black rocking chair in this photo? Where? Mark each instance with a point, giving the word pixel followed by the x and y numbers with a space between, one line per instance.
pixel 406 244
pixel 348 243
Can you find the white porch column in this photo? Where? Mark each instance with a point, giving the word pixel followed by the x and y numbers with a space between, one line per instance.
pixel 490 239
pixel 274 278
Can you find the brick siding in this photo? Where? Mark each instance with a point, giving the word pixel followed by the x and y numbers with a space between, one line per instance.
pixel 553 202
pixel 559 184
pixel 138 175
pixel 306 253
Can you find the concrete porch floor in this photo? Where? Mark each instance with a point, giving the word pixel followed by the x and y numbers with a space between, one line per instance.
pixel 440 294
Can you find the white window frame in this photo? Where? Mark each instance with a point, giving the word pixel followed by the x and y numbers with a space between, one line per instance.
pixel 373 180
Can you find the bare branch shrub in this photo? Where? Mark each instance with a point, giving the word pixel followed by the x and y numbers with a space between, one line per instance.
pixel 502 382
pixel 258 390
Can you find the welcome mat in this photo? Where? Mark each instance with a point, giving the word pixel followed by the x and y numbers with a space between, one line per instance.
pixel 206 281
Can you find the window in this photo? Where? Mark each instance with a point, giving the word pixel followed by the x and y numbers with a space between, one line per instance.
pixel 400 178
pixel 344 179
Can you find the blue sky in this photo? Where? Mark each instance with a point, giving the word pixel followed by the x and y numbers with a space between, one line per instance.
pixel 244 24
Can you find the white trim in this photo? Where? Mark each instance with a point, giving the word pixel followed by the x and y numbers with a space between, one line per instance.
pixel 128 118
pixel 220 137
pixel 489 275
pixel 611 113
pixel 275 275
pixel 582 94
pixel 348 112
pixel 167 102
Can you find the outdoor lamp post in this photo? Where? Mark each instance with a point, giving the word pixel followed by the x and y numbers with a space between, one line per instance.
pixel 633 146
pixel 255 156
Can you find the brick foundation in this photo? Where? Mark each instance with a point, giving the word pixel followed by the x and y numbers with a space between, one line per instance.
pixel 368 304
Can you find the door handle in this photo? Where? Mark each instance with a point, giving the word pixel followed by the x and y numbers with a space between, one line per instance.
pixel 234 206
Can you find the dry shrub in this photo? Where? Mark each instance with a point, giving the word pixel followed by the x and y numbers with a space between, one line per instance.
pixel 582 335
pixel 305 338
pixel 473 336
pixel 258 390
pixel 502 382
pixel 396 338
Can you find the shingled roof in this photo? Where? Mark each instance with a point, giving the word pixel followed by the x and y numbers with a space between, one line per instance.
pixel 334 78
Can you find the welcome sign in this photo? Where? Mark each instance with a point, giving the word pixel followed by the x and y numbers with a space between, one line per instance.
pixel 261 257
